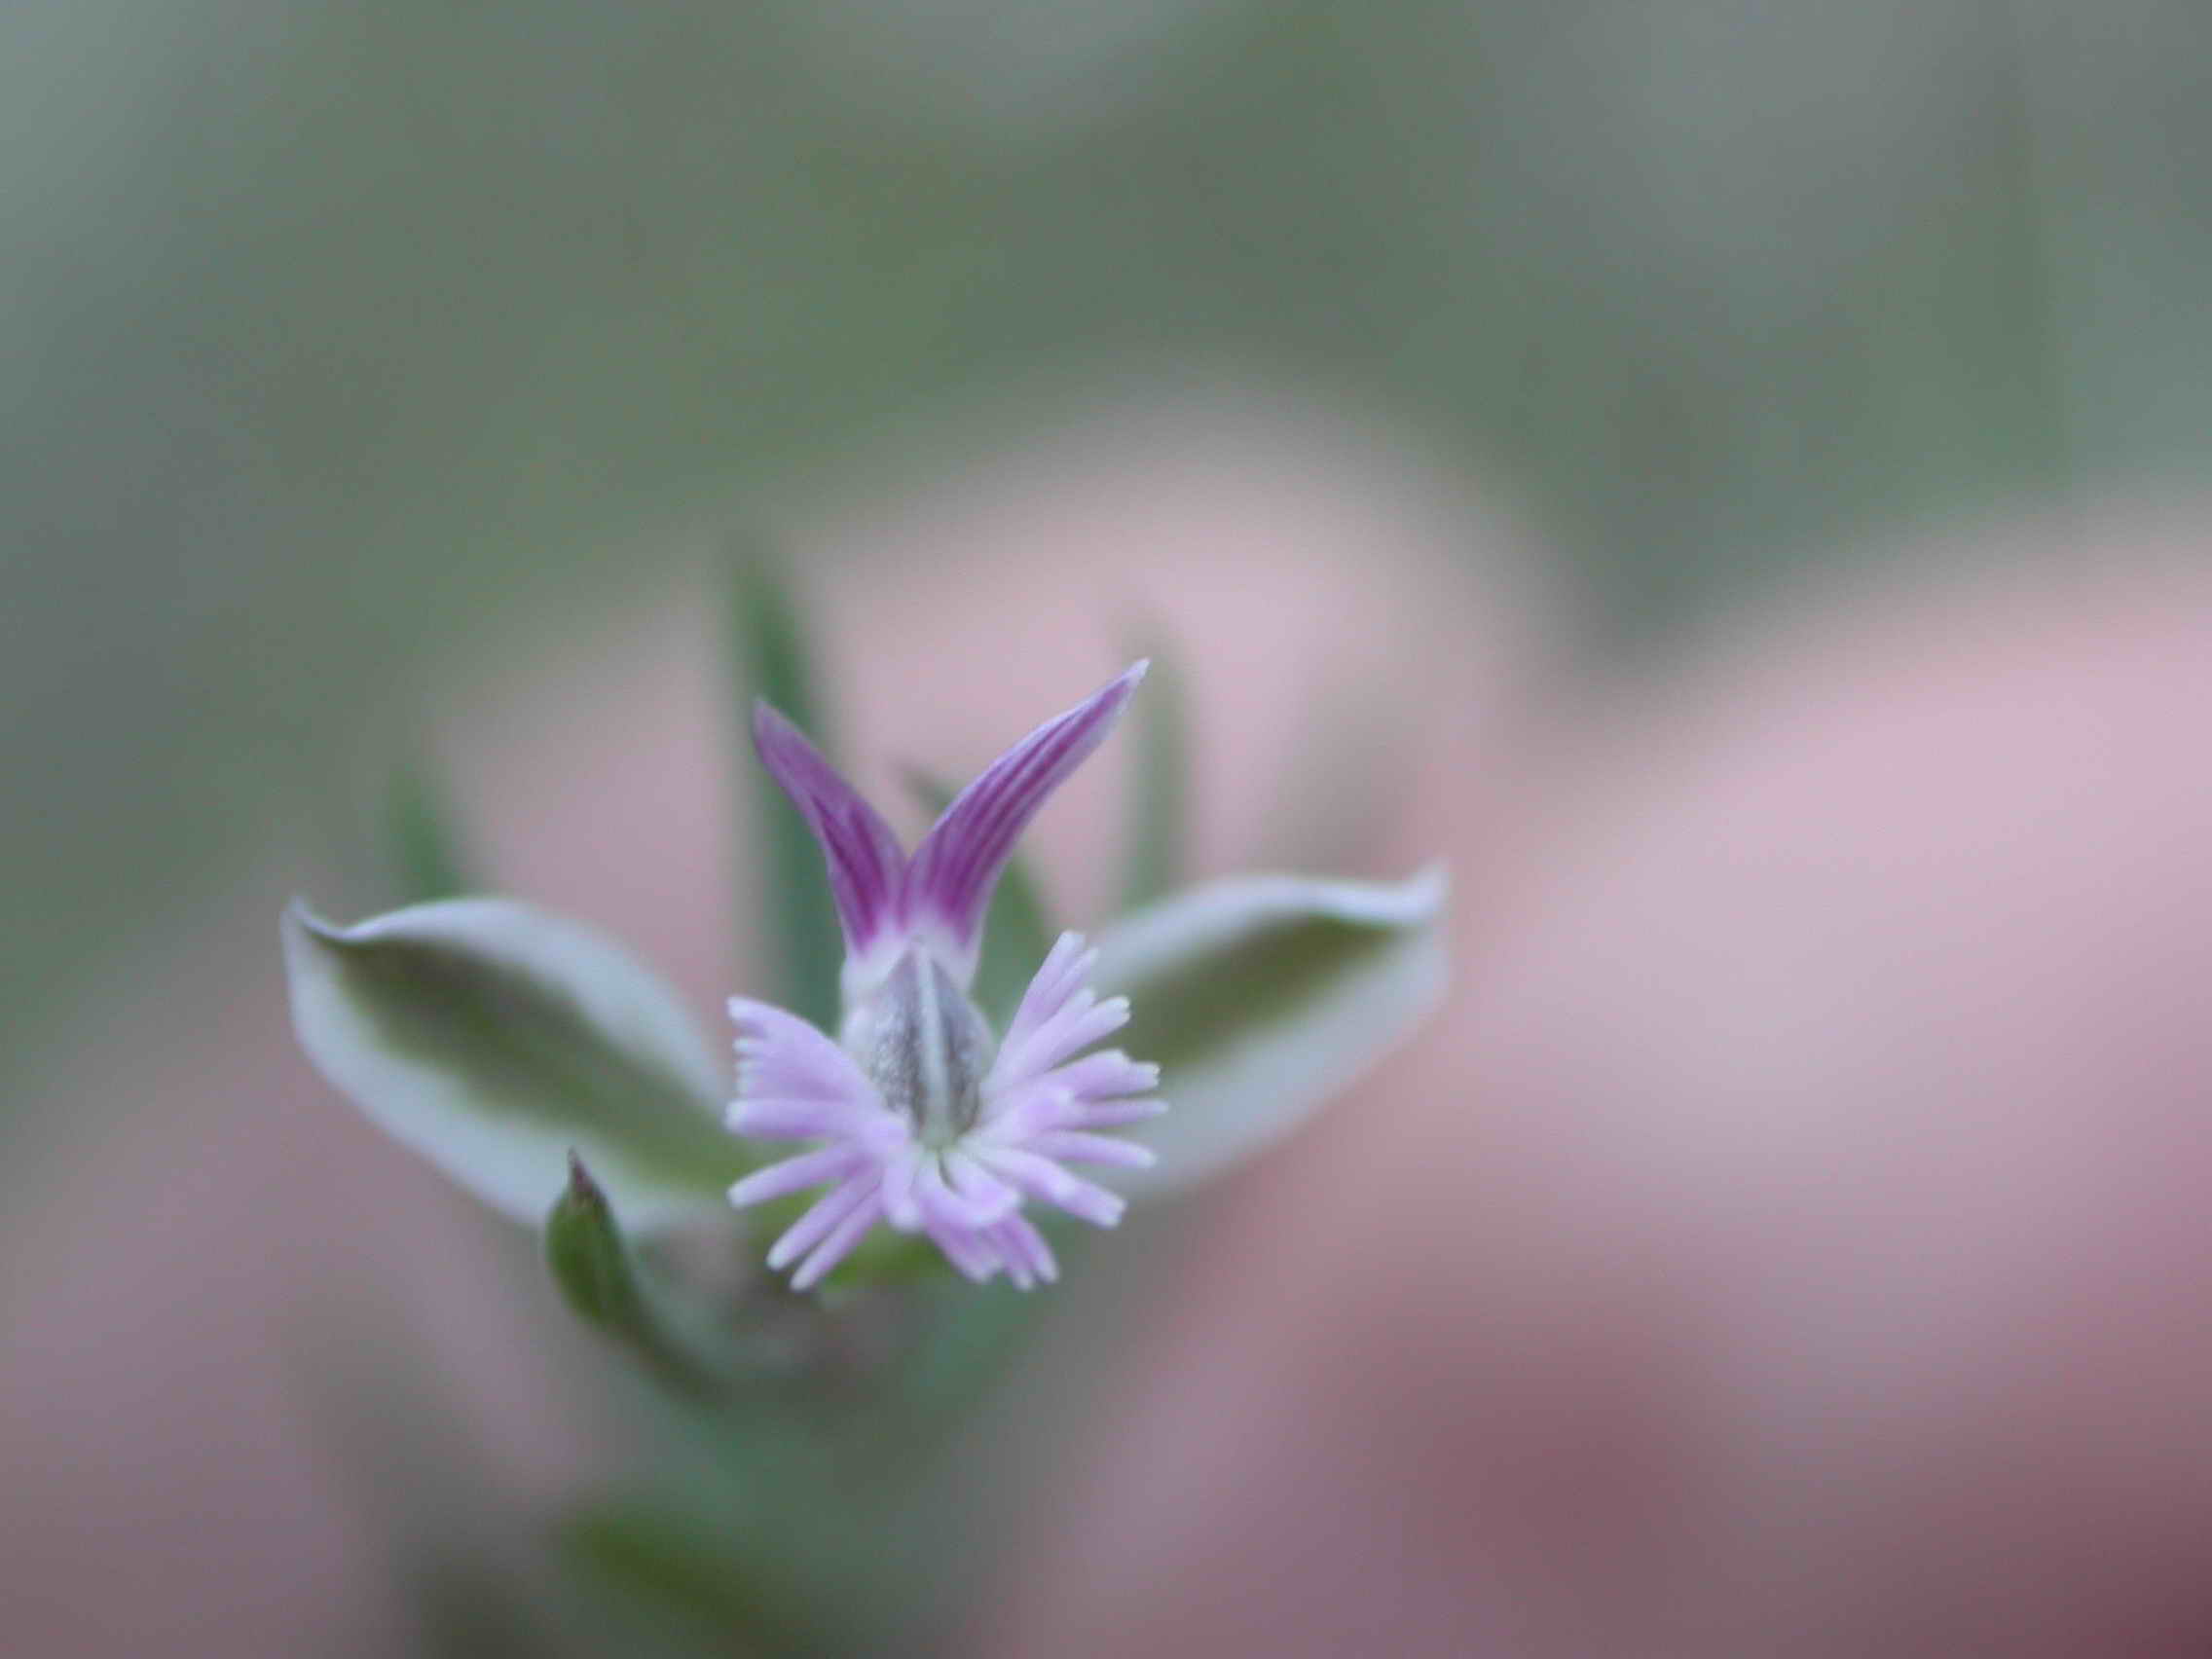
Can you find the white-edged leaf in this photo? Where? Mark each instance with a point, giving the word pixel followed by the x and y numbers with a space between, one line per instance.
pixel 494 1039
pixel 1260 997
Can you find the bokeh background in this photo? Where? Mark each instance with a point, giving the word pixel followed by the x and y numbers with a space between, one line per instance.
pixel 1721 471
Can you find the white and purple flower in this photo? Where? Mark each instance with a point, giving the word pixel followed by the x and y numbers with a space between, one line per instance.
pixel 925 1120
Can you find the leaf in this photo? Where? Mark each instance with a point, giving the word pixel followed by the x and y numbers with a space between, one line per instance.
pixel 493 1038
pixel 1260 998
pixel 770 659
pixel 1018 931
pixel 1161 795
pixel 421 845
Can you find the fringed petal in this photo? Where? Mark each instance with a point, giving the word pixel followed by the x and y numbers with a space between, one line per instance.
pixel 796 1174
pixel 1062 973
pixel 838 1245
pixel 901 1204
pixel 1082 1020
pixel 782 1054
pixel 829 1213
pixel 1073 1146
pixel 793 1084
pixel 1029 1260
pixel 1105 1075
pixel 970 1254
pixel 1039 1177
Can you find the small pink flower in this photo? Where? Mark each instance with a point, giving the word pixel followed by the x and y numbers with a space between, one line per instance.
pixel 926 1120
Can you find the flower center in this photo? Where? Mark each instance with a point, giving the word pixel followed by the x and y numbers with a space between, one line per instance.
pixel 925 1046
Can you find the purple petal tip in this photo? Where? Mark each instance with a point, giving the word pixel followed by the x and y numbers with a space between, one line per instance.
pixel 955 869
pixel 866 863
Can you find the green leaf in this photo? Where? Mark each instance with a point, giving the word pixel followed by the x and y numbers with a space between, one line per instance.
pixel 1260 998
pixel 1161 795
pixel 770 659
pixel 421 845
pixel 1018 931
pixel 493 1039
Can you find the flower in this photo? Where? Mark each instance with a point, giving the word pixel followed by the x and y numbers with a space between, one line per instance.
pixel 926 1120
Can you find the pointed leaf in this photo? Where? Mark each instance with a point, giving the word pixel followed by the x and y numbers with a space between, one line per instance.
pixel 493 1038
pixel 421 846
pixel 772 663
pixel 1160 792
pixel 1260 998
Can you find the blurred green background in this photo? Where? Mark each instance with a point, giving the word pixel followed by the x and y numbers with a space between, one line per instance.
pixel 352 345
pixel 338 333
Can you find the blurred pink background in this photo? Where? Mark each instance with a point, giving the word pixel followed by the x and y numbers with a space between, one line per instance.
pixel 1792 1238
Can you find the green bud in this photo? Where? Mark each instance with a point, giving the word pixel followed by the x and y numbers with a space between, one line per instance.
pixel 606 1288
pixel 589 1261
